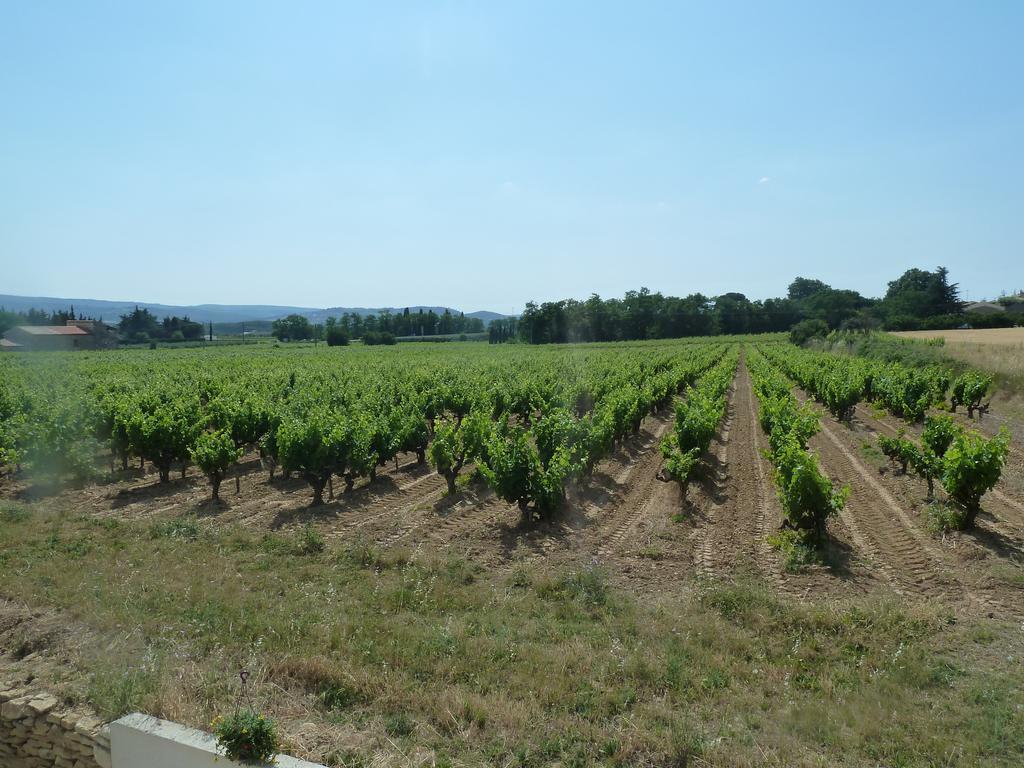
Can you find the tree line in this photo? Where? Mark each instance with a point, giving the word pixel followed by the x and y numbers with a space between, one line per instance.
pixel 141 326
pixel 378 328
pixel 918 298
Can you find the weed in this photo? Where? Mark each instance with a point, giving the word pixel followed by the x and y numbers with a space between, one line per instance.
pixel 943 517
pixel 14 513
pixel 798 551
pixel 183 528
pixel 114 692
pixel 399 724
pixel 309 541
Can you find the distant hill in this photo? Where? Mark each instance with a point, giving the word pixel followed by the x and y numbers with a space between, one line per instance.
pixel 110 311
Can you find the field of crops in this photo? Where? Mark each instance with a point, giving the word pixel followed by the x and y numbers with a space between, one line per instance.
pixel 661 467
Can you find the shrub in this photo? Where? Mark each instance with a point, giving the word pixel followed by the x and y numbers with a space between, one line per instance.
pixel 336 337
pixel 969 390
pixel 309 542
pixel 807 496
pixel 456 442
pixel 678 465
pixel 373 338
pixel 928 465
pixel 247 737
pixel 939 434
pixel 806 330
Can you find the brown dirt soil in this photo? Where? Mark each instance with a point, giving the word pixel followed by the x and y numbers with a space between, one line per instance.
pixel 886 514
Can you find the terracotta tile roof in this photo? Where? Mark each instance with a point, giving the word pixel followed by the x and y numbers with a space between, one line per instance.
pixel 53 330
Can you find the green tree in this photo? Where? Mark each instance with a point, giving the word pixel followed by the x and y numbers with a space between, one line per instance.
pixel 292 328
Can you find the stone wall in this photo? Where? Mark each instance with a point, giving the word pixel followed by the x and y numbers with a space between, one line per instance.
pixel 36 731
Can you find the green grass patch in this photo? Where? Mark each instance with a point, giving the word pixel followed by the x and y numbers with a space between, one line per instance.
pixel 943 517
pixel 185 528
pixel 11 512
pixel 797 550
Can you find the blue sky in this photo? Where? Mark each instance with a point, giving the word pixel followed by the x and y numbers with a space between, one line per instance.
pixel 482 155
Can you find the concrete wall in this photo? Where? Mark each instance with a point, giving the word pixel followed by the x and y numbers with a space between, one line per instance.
pixel 36 731
pixel 141 741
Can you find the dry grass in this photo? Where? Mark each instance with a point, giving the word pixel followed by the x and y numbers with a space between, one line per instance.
pixel 999 351
pixel 1010 337
pixel 375 658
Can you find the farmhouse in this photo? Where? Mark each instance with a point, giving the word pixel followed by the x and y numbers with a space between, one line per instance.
pixel 76 334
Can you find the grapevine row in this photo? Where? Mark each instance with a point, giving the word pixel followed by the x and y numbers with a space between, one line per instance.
pixel 839 383
pixel 807 496
pixel 697 418
pixel 530 422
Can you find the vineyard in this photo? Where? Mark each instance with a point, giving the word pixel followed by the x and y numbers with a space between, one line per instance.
pixel 658 468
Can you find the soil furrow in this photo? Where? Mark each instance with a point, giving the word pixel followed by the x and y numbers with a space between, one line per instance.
pixel 764 509
pixel 1012 517
pixel 915 558
pixel 716 550
pixel 638 495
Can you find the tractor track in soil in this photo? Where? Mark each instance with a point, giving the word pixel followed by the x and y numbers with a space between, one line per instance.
pixel 906 554
pixel 637 483
pixel 715 550
pixel 1010 511
pixel 755 513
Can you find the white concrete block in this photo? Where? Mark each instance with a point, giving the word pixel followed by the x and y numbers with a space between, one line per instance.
pixel 141 741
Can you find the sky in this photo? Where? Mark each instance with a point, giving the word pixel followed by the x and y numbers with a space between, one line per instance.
pixel 481 155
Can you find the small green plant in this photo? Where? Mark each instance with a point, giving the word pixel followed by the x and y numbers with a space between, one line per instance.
pixel 246 736
pixel 797 548
pixel 9 513
pixel 943 517
pixel 309 542
pixel 182 528
pixel 399 724
pixel 338 695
